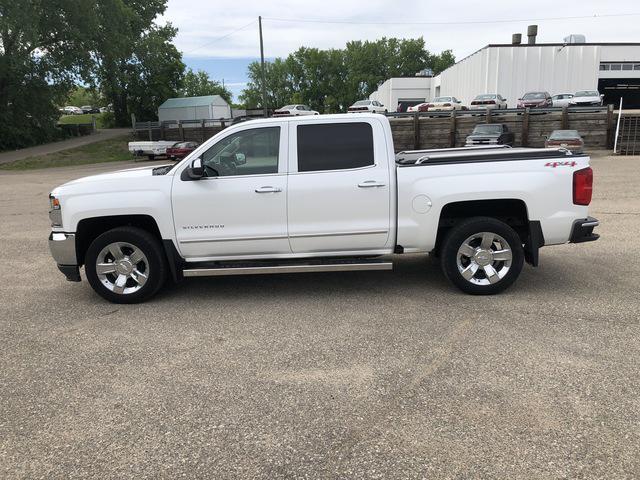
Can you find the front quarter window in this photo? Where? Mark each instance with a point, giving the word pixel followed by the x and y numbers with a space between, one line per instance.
pixel 248 152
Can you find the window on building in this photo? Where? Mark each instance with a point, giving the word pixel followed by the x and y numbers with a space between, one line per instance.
pixel 334 146
pixel 636 66
pixel 616 66
pixel 604 66
pixel 627 66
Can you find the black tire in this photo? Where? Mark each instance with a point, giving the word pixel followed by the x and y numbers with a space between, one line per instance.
pixel 150 247
pixel 463 231
pixel 151 157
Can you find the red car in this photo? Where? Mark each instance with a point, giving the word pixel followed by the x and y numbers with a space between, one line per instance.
pixel 181 150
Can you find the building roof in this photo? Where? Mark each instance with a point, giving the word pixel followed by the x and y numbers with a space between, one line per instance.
pixel 194 101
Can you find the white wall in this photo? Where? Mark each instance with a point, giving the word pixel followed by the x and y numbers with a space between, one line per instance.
pixel 395 89
pixel 512 71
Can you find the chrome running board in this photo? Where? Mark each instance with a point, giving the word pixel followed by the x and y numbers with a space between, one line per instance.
pixel 309 268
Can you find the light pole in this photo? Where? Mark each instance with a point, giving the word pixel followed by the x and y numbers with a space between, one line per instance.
pixel 263 81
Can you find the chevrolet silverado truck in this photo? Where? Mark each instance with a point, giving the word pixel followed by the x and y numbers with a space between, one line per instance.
pixel 319 194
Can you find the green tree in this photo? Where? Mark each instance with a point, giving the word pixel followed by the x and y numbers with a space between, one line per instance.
pixel 331 80
pixel 137 66
pixel 41 57
pixel 198 84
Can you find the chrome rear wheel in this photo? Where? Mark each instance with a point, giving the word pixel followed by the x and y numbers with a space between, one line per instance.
pixel 484 258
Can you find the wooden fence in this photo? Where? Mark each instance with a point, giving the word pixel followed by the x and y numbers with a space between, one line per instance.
pixel 437 129
pixel 530 127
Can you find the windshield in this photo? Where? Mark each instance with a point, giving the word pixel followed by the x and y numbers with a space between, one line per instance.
pixel 486 97
pixel 564 134
pixel 534 96
pixel 488 129
pixel 442 99
pixel 587 93
pixel 363 102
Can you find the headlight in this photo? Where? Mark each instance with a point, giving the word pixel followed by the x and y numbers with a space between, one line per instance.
pixel 55 214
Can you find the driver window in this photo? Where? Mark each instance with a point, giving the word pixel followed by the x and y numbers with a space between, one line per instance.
pixel 249 152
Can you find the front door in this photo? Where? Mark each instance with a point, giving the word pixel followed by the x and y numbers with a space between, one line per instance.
pixel 239 208
pixel 339 196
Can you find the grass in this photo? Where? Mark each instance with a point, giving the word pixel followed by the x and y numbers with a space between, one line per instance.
pixel 112 150
pixel 84 118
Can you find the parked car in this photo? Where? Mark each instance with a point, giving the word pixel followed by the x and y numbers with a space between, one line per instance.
pixel 108 108
pixel 488 101
pixel 535 100
pixel 294 111
pixel 404 105
pixel 181 150
pixel 483 210
pixel 490 134
pixel 569 139
pixel 561 99
pixel 70 110
pixel 89 109
pixel 420 107
pixel 367 106
pixel 445 103
pixel 586 98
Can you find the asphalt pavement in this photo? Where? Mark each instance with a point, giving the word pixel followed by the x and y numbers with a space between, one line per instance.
pixel 333 375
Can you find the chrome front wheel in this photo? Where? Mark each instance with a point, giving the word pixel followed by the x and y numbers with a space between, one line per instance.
pixel 122 268
pixel 126 265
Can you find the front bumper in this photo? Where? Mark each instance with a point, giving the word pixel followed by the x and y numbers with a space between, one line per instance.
pixel 582 230
pixel 63 250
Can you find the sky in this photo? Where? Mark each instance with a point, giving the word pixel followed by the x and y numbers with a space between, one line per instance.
pixel 221 38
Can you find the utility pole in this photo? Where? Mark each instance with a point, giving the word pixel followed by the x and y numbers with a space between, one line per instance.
pixel 264 83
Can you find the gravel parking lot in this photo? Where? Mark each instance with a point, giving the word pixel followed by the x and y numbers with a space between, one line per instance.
pixel 336 375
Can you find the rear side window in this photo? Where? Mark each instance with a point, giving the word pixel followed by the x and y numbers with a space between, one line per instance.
pixel 334 146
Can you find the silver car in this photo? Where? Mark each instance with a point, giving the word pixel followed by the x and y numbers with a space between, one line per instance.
pixel 586 98
pixel 561 99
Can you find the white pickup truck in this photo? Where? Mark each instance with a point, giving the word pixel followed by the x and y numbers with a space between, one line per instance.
pixel 319 193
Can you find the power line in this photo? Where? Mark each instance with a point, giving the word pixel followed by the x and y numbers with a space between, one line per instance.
pixel 467 22
pixel 220 38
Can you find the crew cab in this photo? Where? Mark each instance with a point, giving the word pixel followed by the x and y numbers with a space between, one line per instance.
pixel 314 194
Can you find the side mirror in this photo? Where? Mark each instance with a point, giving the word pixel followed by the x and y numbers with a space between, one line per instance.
pixel 602 95
pixel 519 99
pixel 241 159
pixel 195 171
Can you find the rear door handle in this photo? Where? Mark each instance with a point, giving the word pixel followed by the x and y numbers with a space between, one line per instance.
pixel 268 189
pixel 371 184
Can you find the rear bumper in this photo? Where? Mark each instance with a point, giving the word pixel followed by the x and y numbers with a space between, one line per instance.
pixel 582 230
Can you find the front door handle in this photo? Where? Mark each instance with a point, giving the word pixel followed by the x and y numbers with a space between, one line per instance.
pixel 268 189
pixel 371 184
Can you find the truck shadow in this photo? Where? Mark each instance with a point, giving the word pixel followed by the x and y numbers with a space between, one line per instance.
pixel 413 275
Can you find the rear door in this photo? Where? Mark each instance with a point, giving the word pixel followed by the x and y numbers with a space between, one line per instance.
pixel 339 186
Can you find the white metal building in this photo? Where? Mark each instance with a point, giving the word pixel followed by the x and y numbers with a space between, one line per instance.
pixel 194 108
pixel 513 69
pixel 405 90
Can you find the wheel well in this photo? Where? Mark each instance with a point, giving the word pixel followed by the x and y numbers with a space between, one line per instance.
pixel 510 211
pixel 90 228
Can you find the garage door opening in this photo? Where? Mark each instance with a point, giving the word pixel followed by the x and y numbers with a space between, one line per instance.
pixel 626 88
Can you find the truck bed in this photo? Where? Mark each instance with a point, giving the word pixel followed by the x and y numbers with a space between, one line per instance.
pixel 477 154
